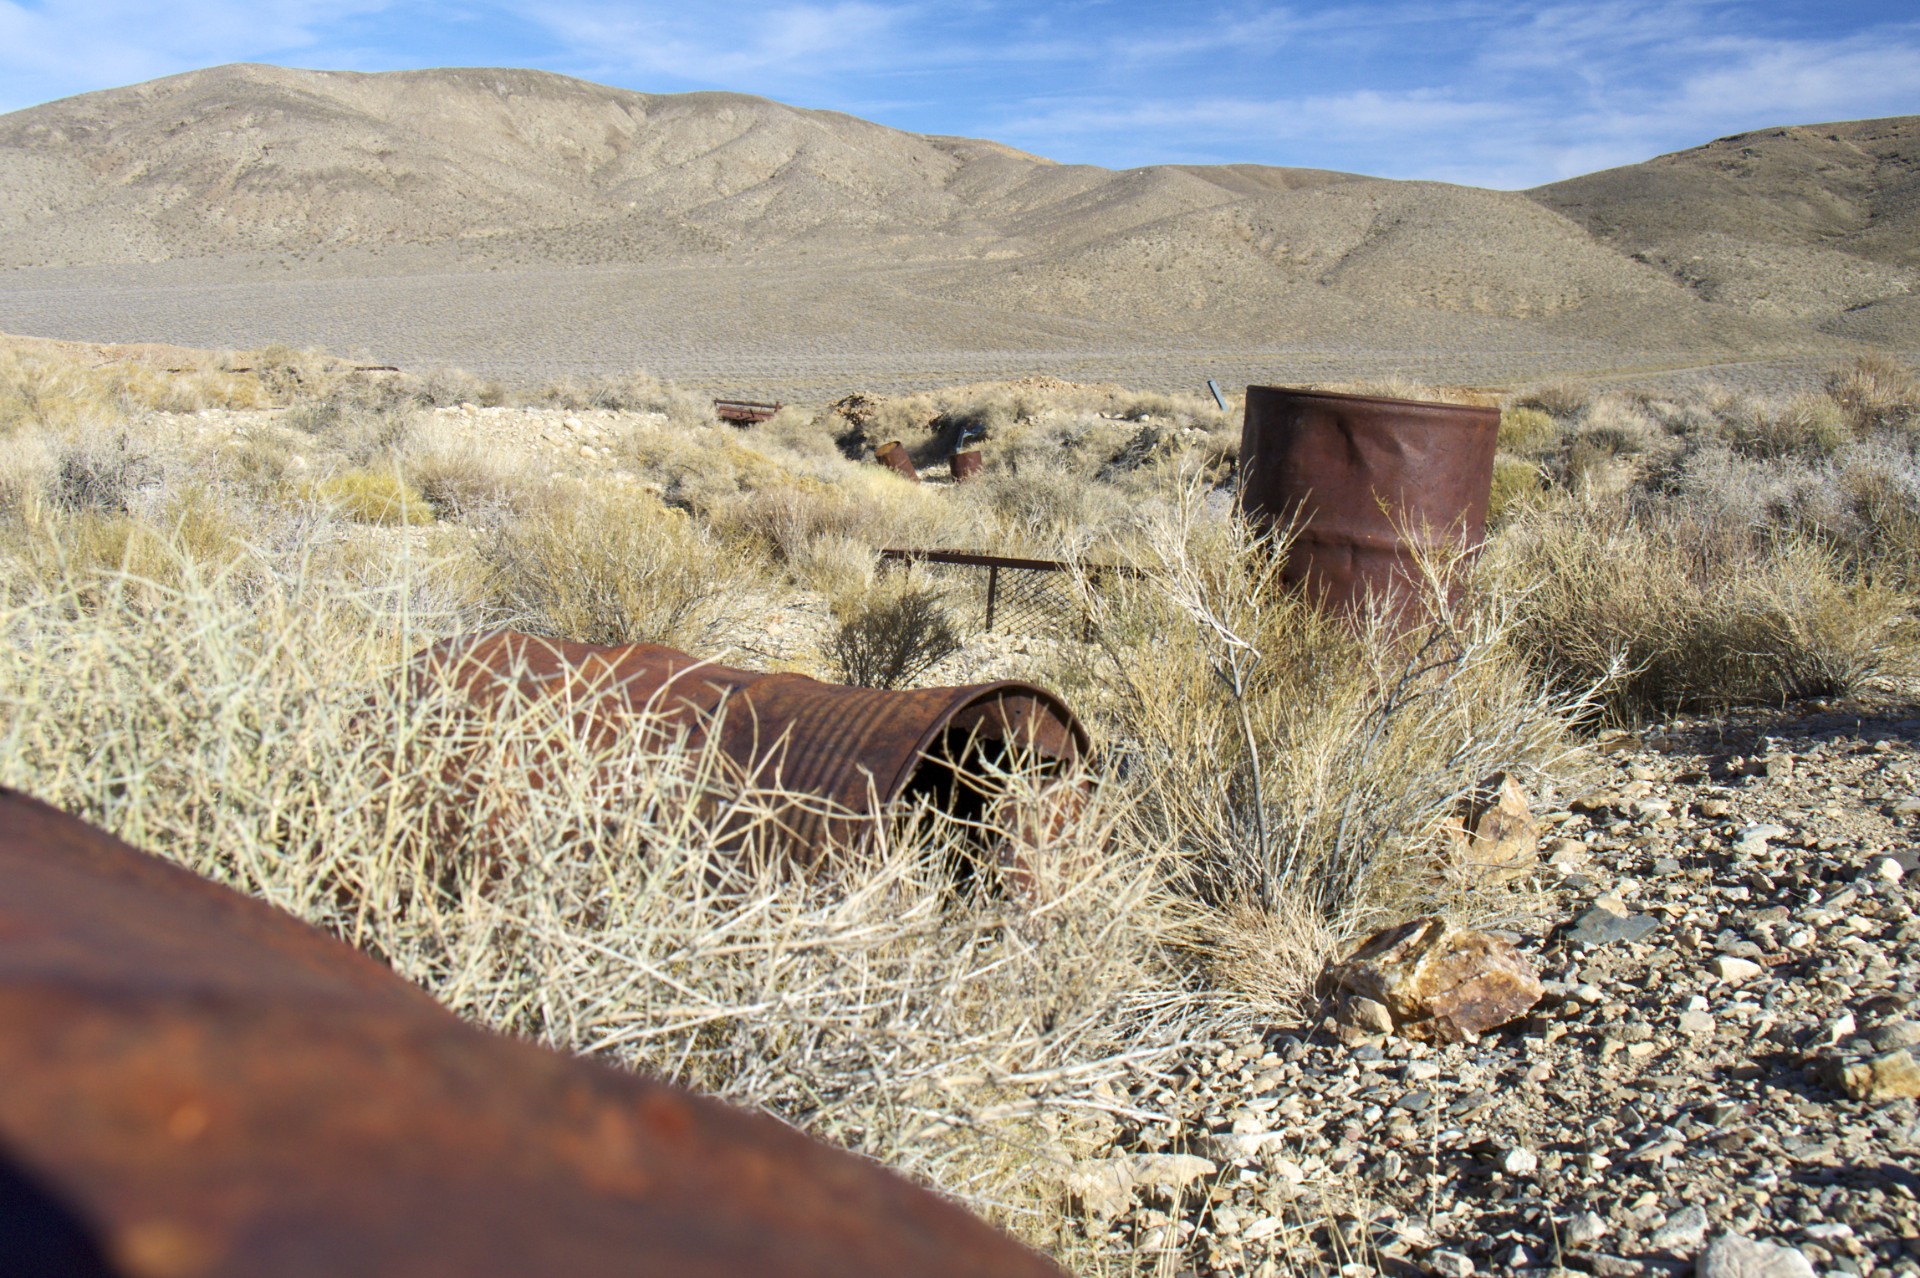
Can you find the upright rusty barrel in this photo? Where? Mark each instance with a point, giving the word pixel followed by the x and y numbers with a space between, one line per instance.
pixel 965 466
pixel 831 757
pixel 1368 485
pixel 196 1085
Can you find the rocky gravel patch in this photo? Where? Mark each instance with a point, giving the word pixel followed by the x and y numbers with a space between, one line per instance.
pixel 1720 1078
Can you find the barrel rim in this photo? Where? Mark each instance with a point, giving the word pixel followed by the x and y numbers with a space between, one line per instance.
pixel 1381 400
pixel 979 693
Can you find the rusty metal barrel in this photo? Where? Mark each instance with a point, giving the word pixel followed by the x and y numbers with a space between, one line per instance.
pixel 197 1085
pixel 965 466
pixel 832 758
pixel 1368 485
pixel 893 455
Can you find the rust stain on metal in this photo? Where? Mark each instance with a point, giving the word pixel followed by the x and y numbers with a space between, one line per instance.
pixel 200 1086
pixel 1368 484
pixel 894 458
pixel 744 412
pixel 843 754
pixel 965 466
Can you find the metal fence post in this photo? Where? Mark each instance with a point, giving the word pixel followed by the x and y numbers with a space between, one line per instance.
pixel 993 590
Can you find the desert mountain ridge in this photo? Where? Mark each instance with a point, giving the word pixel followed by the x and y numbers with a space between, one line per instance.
pixel 378 203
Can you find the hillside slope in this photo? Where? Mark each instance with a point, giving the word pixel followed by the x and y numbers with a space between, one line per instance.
pixel 1819 223
pixel 504 217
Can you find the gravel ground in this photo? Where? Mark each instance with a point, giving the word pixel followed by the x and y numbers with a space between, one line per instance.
pixel 1672 1089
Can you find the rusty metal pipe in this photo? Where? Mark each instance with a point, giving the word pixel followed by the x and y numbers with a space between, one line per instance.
pixel 198 1085
pixel 1368 486
pixel 844 755
pixel 894 457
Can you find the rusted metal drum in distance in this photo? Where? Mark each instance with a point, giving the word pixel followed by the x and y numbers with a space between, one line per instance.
pixel 965 466
pixel 842 755
pixel 894 457
pixel 1367 485
pixel 198 1085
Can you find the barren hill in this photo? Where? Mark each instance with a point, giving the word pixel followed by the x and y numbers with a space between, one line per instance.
pixel 523 222
pixel 1819 223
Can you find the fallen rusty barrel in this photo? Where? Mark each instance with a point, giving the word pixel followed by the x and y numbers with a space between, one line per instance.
pixel 893 455
pixel 1369 486
pixel 965 466
pixel 831 758
pixel 198 1085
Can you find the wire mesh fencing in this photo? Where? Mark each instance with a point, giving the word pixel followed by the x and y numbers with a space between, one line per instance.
pixel 1003 594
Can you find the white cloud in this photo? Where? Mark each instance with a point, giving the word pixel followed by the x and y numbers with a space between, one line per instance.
pixel 1804 81
pixel 70 46
pixel 792 42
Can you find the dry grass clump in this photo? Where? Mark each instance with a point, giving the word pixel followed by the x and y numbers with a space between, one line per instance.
pixel 606 563
pixel 1692 612
pixel 252 725
pixel 1876 392
pixel 628 393
pixel 1516 484
pixel 460 477
pixel 1810 426
pixel 101 471
pixel 1563 400
pixel 45 387
pixel 380 497
pixel 1298 769
pixel 1529 432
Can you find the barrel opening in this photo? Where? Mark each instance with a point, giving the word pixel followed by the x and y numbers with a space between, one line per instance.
pixel 964 777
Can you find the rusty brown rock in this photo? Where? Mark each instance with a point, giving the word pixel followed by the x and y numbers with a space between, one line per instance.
pixel 1496 837
pixel 843 755
pixel 1368 486
pixel 1437 981
pixel 200 1086
pixel 1887 1075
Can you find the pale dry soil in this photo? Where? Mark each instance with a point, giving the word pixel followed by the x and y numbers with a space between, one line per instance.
pixel 1648 1105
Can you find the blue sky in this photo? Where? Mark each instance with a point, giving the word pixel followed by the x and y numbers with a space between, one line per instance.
pixel 1478 91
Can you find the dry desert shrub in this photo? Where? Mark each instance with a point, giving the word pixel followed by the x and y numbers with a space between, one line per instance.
pixel 1528 432
pixel 1807 426
pixel 1692 612
pixel 1295 766
pixel 256 728
pixel 1516 484
pixel 52 389
pixel 102 471
pixel 868 505
pixel 382 497
pixel 447 387
pixel 461 477
pixel 1876 392
pixel 890 634
pixel 634 392
pixel 1562 400
pixel 605 563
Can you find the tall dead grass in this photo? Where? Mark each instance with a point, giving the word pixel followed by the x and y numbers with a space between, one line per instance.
pixel 253 722
pixel 1299 766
